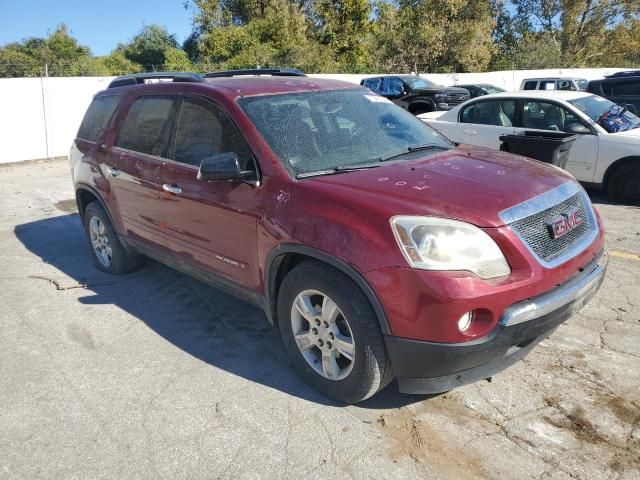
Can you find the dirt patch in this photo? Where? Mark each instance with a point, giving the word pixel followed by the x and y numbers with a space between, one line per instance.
pixel 625 456
pixel 66 205
pixel 418 440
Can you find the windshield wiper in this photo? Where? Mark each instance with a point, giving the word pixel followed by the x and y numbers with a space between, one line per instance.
pixel 414 148
pixel 340 169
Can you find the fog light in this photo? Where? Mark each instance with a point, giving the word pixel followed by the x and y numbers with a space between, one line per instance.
pixel 465 322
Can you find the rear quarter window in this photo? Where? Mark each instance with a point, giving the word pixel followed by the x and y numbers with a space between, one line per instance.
pixel 97 117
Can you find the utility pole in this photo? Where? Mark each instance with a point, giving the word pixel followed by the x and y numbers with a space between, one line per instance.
pixel 46 70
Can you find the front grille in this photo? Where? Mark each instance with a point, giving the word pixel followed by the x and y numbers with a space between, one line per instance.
pixel 533 230
pixel 457 98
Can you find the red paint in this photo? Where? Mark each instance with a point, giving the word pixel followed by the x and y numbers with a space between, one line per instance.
pixel 230 228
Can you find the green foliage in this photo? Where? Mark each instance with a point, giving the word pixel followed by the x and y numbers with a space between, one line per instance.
pixel 357 36
pixel 148 48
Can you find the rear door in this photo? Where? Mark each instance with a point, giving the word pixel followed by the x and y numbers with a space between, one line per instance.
pixel 211 225
pixel 134 166
pixel 483 122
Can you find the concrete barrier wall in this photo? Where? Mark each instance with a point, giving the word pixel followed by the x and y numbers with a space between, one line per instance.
pixel 39 117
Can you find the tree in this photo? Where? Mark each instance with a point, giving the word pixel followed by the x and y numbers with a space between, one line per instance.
pixel 148 48
pixel 585 33
pixel 60 52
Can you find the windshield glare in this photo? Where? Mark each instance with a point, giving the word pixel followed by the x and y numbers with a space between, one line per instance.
pixel 317 131
pixel 610 116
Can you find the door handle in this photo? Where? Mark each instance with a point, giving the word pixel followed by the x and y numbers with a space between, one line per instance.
pixel 172 189
pixel 470 132
pixel 114 172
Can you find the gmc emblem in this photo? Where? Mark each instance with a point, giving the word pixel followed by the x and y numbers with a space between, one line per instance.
pixel 564 223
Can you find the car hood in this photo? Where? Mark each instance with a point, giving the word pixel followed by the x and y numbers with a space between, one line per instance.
pixel 472 184
pixel 446 90
pixel 634 133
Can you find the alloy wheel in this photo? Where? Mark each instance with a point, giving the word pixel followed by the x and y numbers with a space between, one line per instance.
pixel 100 241
pixel 322 334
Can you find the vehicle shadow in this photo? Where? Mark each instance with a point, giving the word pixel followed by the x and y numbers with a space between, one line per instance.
pixel 204 322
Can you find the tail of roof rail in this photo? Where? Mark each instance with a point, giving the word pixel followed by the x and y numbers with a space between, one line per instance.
pixel 139 78
pixel 276 72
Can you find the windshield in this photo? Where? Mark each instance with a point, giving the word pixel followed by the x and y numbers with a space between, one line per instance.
pixel 582 83
pixel 326 130
pixel 418 83
pixel 610 116
pixel 489 89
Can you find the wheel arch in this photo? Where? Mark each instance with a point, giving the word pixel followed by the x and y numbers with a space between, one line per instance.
pixel 416 104
pixel 621 162
pixel 86 194
pixel 284 257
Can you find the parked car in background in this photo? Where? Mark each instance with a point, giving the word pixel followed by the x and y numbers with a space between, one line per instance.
pixel 377 247
pixel 480 89
pixel 606 153
pixel 622 88
pixel 416 94
pixel 554 83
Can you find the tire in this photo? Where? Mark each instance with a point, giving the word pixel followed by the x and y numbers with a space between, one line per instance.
pixel 354 324
pixel 420 108
pixel 623 185
pixel 109 255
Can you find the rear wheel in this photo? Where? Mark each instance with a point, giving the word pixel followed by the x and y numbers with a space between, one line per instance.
pixel 624 184
pixel 109 254
pixel 331 333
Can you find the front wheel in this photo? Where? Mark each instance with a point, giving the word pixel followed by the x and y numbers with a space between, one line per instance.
pixel 624 184
pixel 331 333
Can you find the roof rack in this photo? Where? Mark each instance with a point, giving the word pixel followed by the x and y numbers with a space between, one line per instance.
pixel 139 78
pixel 276 72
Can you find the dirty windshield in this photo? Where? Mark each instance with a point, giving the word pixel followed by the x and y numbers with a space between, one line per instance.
pixel 334 130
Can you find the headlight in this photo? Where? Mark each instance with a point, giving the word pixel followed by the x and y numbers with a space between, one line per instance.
pixel 431 243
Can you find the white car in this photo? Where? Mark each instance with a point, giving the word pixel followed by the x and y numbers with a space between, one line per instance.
pixel 600 155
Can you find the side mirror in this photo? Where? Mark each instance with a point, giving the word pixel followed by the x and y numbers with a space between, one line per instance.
pixel 222 166
pixel 578 128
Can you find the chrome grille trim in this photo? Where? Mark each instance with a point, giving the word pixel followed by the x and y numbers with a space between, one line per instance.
pixel 547 201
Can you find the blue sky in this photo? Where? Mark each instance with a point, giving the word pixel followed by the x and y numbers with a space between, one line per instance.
pixel 100 25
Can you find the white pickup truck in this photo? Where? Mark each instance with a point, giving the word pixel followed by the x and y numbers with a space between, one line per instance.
pixel 605 154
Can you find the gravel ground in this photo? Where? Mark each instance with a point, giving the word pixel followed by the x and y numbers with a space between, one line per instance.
pixel 156 375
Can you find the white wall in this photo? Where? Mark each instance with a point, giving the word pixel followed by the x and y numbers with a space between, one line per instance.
pixel 25 103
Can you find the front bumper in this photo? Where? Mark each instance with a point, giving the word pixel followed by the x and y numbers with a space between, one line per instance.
pixel 431 367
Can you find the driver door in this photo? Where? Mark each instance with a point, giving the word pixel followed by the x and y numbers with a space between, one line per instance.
pixel 211 225
pixel 393 88
pixel 550 116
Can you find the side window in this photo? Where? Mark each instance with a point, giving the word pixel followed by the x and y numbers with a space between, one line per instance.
pixel 97 117
pixel 392 86
pixel 607 88
pixel 547 85
pixel 547 116
pixel 147 125
pixel 204 130
pixel 500 113
pixel 566 85
pixel 627 88
pixel 530 85
pixel 374 84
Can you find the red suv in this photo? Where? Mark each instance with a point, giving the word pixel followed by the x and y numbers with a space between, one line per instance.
pixel 380 249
